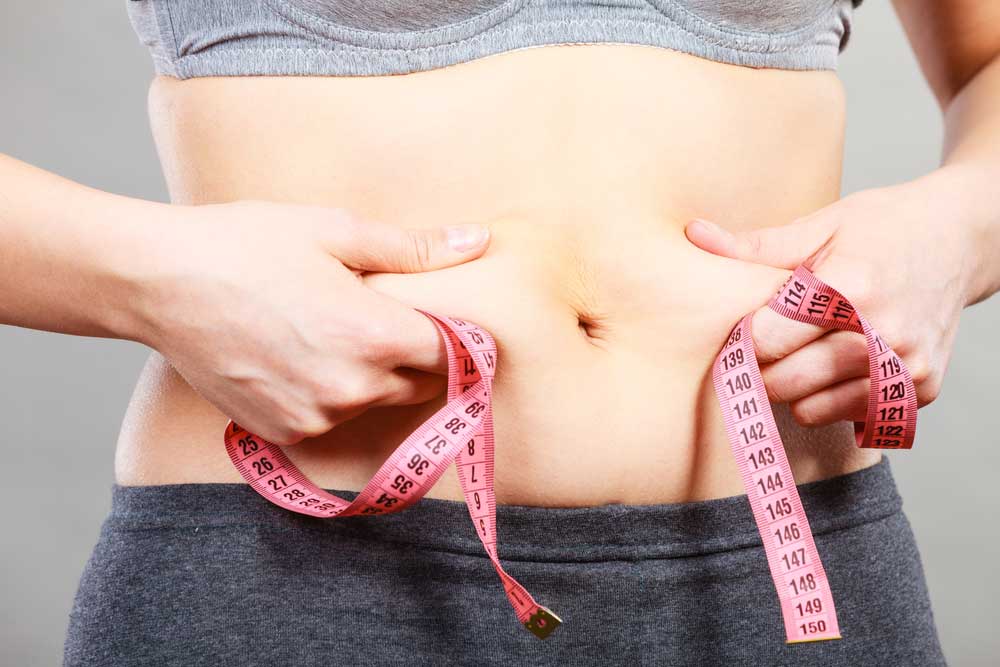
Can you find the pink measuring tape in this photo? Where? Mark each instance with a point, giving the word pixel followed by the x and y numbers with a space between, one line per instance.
pixel 462 431
pixel 803 590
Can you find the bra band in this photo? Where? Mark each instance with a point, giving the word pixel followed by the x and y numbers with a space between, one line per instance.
pixel 192 38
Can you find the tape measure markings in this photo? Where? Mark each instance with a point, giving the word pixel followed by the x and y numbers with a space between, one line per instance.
pixel 804 593
pixel 462 432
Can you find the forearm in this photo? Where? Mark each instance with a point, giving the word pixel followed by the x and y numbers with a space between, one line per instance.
pixel 970 173
pixel 69 254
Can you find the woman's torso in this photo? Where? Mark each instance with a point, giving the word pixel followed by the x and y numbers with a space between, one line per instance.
pixel 586 161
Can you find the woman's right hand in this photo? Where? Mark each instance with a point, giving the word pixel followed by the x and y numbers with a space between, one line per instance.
pixel 260 307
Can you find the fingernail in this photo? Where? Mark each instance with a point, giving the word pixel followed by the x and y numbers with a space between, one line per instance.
pixel 466 237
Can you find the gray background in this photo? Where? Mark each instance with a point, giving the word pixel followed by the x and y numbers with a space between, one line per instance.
pixel 73 83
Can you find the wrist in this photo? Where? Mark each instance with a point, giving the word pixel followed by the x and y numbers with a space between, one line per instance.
pixel 965 192
pixel 141 253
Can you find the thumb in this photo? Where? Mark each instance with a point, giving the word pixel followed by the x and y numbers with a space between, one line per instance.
pixel 782 246
pixel 379 246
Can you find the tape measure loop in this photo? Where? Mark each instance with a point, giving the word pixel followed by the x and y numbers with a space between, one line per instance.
pixel 461 431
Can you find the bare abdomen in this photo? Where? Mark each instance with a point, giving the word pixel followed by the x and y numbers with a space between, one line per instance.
pixel 586 162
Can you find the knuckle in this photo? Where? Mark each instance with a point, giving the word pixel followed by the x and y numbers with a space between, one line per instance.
pixel 309 426
pixel 864 287
pixel 422 250
pixel 377 344
pixel 287 436
pixel 804 414
pixel 929 389
pixel 895 335
pixel 920 367
pixel 777 392
pixel 350 391
pixel 768 347
pixel 849 347
pixel 856 285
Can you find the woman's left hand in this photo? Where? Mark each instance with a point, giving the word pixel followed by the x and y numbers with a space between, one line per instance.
pixel 900 254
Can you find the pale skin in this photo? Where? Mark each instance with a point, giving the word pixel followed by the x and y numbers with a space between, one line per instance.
pixel 197 283
pixel 942 229
pixel 117 268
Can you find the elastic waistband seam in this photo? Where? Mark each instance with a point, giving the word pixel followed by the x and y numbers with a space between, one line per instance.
pixel 729 543
pixel 526 533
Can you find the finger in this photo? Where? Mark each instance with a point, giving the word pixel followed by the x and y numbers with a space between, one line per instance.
pixel 378 246
pixel 834 357
pixel 782 246
pixel 844 400
pixel 407 386
pixel 406 337
pixel 776 336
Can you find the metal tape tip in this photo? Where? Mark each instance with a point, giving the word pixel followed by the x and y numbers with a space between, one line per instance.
pixel 543 622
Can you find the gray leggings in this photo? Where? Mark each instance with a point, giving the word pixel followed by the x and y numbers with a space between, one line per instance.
pixel 212 574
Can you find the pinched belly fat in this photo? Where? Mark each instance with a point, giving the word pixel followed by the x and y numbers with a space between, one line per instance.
pixel 602 394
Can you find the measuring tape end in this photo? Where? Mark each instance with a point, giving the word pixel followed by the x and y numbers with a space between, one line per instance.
pixel 543 622
pixel 811 641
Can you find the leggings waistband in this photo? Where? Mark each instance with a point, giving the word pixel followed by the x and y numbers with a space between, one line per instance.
pixel 599 532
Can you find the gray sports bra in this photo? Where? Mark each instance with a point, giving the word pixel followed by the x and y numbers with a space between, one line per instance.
pixel 190 38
